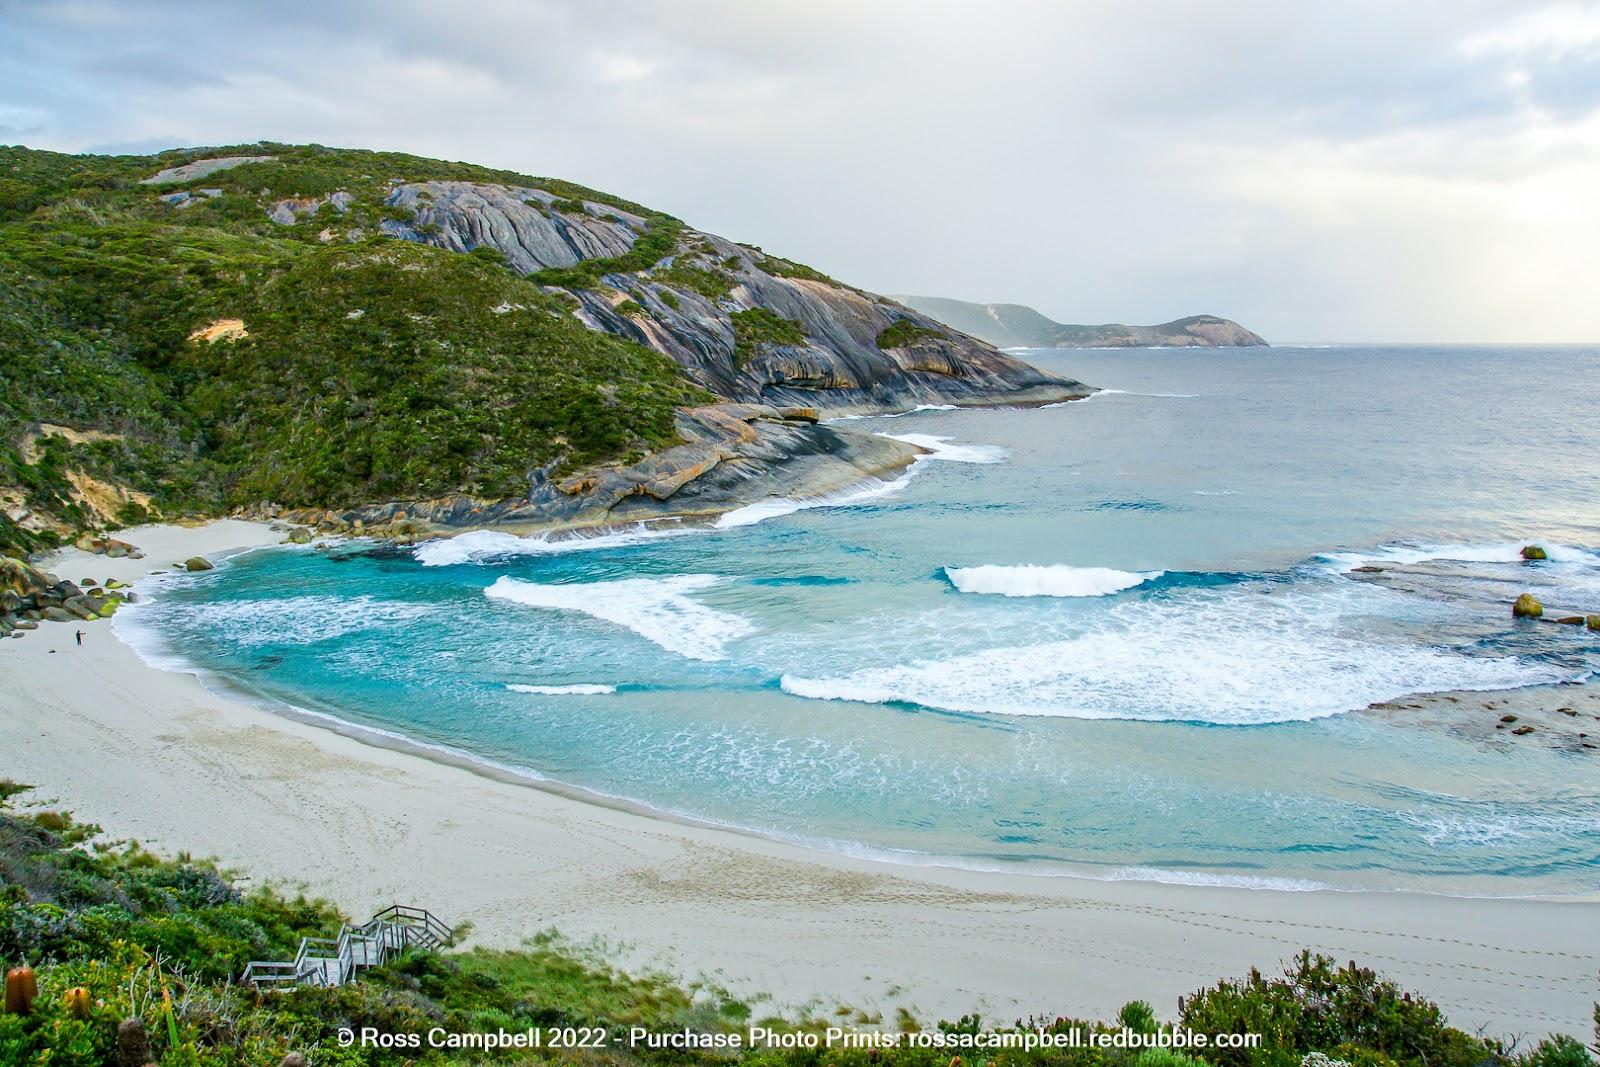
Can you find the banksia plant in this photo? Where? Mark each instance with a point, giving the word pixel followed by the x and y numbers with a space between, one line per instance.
pixel 21 988
pixel 133 1044
pixel 77 1003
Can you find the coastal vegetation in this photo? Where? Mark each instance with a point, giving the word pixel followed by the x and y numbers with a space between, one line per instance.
pixel 116 955
pixel 268 327
pixel 205 356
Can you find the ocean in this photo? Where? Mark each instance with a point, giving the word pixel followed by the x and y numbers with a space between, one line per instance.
pixel 1125 637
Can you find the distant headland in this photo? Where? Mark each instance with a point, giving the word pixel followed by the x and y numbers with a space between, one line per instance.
pixel 1018 326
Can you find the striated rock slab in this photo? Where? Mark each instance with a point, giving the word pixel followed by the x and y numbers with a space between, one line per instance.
pixel 520 223
pixel 683 306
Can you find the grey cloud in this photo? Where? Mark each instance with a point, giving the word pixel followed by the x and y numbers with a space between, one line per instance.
pixel 1082 158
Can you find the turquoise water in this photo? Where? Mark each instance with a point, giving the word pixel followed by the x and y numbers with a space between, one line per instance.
pixel 1121 637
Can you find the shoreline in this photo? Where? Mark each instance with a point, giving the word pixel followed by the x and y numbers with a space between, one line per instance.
pixel 229 689
pixel 299 803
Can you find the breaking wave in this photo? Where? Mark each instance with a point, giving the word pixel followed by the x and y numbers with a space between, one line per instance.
pixel 1214 657
pixel 1055 580
pixel 659 610
pixel 478 546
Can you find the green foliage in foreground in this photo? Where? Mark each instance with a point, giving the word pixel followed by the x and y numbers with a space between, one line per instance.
pixel 762 326
pixel 161 940
pixel 373 368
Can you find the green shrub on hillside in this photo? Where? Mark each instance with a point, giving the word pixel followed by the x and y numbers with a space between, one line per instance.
pixel 710 283
pixel 902 332
pixel 165 941
pixel 758 326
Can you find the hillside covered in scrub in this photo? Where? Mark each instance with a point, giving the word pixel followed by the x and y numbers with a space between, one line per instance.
pixel 116 955
pixel 304 327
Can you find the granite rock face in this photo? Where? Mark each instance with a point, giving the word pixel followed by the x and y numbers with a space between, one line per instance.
pixel 684 304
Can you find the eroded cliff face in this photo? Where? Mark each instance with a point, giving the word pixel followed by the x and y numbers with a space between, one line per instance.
pixel 684 303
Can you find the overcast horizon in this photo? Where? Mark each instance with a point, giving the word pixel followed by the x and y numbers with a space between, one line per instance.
pixel 1414 174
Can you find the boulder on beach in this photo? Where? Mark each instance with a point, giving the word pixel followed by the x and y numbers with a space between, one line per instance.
pixel 110 606
pixel 300 535
pixel 1534 552
pixel 1527 607
pixel 198 563
pixel 54 614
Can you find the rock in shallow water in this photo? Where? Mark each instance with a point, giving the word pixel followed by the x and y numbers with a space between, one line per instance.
pixel 1527 607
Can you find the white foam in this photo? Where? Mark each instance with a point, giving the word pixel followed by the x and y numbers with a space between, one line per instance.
pixel 1054 580
pixel 657 609
pixel 938 448
pixel 579 690
pixel 1123 392
pixel 477 546
pixel 774 506
pixel 1228 657
pixel 1495 552
pixel 943 449
pixel 297 620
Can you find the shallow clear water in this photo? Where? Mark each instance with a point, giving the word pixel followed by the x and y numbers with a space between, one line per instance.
pixel 1120 637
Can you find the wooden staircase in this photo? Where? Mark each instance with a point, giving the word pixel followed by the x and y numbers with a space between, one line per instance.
pixel 330 961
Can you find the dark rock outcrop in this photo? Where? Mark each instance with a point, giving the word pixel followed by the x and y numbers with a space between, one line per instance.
pixel 731 455
pixel 1017 326
pixel 683 305
pixel 29 595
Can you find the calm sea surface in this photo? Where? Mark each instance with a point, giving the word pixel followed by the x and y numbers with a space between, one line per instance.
pixel 1122 637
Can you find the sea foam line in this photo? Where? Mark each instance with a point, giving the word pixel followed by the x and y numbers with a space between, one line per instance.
pixel 581 689
pixel 1057 580
pixel 1491 552
pixel 936 448
pixel 1122 392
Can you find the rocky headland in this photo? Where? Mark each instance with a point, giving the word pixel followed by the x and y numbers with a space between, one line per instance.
pixel 281 329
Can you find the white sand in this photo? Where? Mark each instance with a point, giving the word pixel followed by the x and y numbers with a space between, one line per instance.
pixel 157 757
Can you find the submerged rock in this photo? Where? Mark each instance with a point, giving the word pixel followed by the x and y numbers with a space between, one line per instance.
pixel 1527 607
pixel 1570 620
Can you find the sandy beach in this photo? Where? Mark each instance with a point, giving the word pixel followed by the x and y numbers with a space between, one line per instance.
pixel 155 756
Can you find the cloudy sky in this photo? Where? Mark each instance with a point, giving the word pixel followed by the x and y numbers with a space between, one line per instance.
pixel 1361 170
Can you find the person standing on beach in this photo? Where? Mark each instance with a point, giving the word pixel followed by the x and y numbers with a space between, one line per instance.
pixel 80 637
